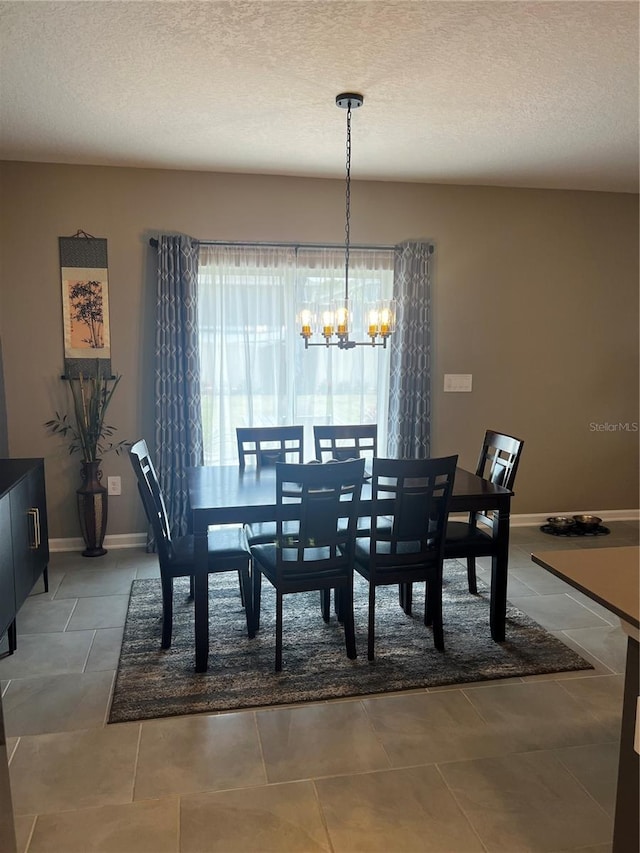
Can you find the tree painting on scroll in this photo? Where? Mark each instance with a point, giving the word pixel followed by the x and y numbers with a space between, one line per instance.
pixel 86 312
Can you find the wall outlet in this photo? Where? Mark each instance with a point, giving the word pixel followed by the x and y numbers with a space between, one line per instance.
pixel 457 381
pixel 114 486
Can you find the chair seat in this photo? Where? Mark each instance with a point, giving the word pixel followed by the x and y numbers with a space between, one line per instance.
pixel 265 555
pixel 225 545
pixel 392 573
pixel 460 534
pixel 260 532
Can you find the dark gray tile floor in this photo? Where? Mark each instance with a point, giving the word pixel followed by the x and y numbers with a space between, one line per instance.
pixel 521 765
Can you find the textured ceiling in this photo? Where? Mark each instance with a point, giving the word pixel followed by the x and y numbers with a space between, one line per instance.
pixel 541 94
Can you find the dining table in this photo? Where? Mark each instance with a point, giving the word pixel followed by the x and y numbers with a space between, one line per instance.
pixel 226 494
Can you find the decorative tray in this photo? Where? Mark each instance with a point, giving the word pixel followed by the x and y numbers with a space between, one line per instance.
pixel 600 530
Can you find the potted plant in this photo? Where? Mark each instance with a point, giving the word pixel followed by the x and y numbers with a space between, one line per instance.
pixel 90 435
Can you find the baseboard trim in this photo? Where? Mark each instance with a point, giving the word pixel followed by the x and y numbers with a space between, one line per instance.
pixel 111 543
pixel 139 540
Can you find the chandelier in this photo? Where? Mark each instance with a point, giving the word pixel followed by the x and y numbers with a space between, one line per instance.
pixel 333 320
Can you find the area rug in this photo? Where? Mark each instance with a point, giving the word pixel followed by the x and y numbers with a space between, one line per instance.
pixel 152 682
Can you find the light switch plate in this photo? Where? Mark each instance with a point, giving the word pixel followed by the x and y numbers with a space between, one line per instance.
pixel 457 381
pixel 114 486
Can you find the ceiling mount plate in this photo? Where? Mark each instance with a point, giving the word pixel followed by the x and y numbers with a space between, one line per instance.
pixel 349 99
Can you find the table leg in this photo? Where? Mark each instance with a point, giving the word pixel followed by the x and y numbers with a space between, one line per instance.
pixel 201 601
pixel 499 569
pixel 626 834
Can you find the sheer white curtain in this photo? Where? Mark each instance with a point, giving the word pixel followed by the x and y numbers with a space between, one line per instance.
pixel 254 369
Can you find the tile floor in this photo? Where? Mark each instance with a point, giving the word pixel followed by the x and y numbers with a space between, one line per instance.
pixel 519 765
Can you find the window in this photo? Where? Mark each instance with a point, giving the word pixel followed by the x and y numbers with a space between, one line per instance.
pixel 253 367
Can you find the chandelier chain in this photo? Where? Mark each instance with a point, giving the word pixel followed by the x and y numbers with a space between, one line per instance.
pixel 347 227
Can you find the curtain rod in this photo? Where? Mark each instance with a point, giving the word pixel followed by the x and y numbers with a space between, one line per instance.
pixel 154 243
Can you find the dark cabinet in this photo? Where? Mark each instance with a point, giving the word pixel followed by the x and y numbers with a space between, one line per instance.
pixel 24 538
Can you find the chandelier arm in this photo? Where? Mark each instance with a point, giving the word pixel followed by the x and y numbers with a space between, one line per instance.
pixel 345 343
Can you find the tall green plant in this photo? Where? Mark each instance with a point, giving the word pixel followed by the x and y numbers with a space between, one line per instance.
pixel 86 427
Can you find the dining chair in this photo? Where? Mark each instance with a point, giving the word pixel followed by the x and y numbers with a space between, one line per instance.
pixel 345 441
pixel 264 446
pixel 311 550
pixel 410 506
pixel 498 462
pixel 227 546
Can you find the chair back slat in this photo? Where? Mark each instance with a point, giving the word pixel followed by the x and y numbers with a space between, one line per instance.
pixel 343 442
pixel 267 445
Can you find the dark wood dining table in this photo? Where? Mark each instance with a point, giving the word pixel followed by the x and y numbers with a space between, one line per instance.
pixel 227 495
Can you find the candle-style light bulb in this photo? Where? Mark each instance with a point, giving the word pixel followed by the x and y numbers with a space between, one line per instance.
pixel 373 322
pixel 342 319
pixel 305 319
pixel 385 319
pixel 327 323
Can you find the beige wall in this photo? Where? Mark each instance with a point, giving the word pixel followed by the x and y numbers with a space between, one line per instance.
pixel 534 292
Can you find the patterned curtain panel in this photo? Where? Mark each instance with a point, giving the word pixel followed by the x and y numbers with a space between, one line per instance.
pixel 178 424
pixel 409 428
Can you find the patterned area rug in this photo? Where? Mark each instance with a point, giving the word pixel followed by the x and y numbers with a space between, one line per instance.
pixel 152 682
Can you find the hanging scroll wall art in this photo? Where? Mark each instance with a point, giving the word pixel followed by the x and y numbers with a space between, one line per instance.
pixel 85 305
